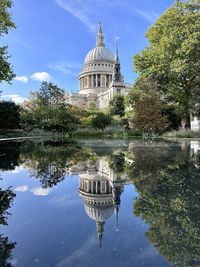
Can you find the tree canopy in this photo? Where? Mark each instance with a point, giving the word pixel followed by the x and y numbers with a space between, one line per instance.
pixel 46 109
pixel 6 23
pixel 173 55
pixel 9 115
pixel 146 108
pixel 117 106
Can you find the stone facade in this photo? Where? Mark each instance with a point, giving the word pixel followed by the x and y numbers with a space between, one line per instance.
pixel 100 78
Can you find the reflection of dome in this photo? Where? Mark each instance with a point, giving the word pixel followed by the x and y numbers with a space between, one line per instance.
pixel 99 53
pixel 100 214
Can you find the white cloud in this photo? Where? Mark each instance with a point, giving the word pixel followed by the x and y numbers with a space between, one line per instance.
pixel 15 98
pixel 22 79
pixel 148 15
pixel 67 68
pixel 79 10
pixel 41 76
pixel 22 188
pixel 39 191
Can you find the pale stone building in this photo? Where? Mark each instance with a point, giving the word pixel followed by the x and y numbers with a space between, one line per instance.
pixel 100 78
pixel 101 188
pixel 195 123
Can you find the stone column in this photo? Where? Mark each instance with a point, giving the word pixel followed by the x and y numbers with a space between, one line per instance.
pixel 96 80
pixel 92 80
pixel 92 187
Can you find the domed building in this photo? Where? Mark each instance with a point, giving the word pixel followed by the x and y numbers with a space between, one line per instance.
pixel 100 78
pixel 101 199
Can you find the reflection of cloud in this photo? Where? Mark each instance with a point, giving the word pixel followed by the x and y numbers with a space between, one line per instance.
pixel 22 188
pixel 39 191
pixel 65 201
pixel 78 255
pixel 17 169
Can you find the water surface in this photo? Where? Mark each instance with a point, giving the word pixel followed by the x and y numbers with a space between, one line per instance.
pixel 110 203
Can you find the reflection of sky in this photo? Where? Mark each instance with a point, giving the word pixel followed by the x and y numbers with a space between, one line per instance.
pixel 52 229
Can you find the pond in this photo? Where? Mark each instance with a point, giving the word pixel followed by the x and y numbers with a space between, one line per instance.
pixel 100 203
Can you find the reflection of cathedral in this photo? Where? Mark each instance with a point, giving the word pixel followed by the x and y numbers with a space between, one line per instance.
pixel 100 78
pixel 101 189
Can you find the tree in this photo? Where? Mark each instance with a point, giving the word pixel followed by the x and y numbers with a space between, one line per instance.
pixel 172 57
pixel 146 109
pixel 98 121
pixel 49 95
pixel 6 71
pixel 9 115
pixel 46 109
pixel 117 106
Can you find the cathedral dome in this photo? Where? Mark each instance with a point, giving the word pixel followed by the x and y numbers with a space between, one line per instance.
pixel 99 53
pixel 99 214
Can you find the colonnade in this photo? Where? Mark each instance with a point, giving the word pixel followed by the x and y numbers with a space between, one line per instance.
pixel 95 187
pixel 95 80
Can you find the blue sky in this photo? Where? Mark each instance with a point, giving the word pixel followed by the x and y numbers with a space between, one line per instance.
pixel 53 37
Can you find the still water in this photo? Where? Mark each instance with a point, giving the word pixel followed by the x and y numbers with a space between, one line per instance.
pixel 100 203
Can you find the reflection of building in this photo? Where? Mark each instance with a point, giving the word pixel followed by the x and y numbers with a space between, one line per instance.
pixel 100 78
pixel 101 190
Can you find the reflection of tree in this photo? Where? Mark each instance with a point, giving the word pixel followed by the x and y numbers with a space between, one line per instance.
pixel 6 198
pixel 171 206
pixel 116 161
pixel 148 161
pixel 49 162
pixel 9 155
pixel 6 247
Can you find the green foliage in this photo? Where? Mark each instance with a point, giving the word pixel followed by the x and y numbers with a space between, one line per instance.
pixel 172 57
pixel 9 115
pixel 117 106
pixel 92 108
pixel 169 112
pixel 46 109
pixel 146 109
pixel 100 121
pixel 6 72
pixel 195 102
pixel 49 94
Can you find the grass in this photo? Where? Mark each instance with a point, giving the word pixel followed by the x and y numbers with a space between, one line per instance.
pixel 110 132
pixel 182 134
